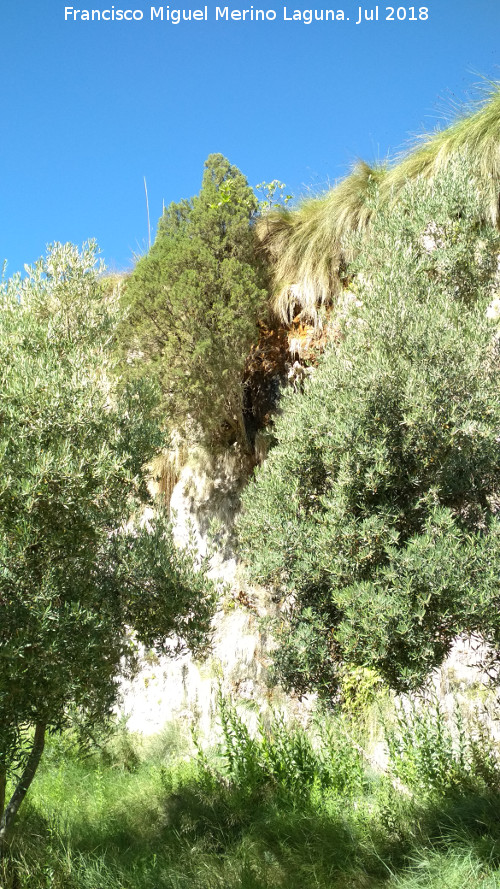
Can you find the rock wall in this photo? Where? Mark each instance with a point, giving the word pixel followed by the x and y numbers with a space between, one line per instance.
pixel 204 504
pixel 203 507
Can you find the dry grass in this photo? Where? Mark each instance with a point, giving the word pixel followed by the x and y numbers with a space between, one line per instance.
pixel 307 245
pixel 164 470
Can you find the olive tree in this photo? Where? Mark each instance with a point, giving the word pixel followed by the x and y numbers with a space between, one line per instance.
pixel 77 572
pixel 375 517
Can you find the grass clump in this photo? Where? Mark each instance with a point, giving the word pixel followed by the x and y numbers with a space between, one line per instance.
pixel 286 809
pixel 308 246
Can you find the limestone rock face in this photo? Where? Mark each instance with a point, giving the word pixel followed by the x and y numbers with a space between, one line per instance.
pixel 203 507
pixel 183 692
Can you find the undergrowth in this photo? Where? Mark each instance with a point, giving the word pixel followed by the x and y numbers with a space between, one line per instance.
pixel 288 808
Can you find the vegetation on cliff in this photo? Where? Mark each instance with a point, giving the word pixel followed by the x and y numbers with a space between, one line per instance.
pixel 375 515
pixel 193 303
pixel 310 246
pixel 374 519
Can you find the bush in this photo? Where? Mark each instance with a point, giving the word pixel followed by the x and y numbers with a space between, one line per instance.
pixel 375 515
pixel 76 575
pixel 193 304
pixel 291 760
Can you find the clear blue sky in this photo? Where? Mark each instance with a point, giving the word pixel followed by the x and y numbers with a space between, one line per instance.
pixel 90 108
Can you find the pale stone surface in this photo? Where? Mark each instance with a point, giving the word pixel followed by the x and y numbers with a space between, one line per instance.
pixel 165 689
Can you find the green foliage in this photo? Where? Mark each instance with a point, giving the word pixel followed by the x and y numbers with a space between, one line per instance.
pixel 431 751
pixel 169 600
pixel 97 823
pixel 307 245
pixel 73 578
pixel 375 516
pixel 361 690
pixel 294 761
pixel 193 303
pixel 273 195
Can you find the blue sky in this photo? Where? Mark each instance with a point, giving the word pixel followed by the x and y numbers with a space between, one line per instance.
pixel 90 108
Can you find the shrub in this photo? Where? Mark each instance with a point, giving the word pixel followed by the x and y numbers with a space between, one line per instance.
pixel 293 761
pixel 193 304
pixel 375 516
pixel 73 578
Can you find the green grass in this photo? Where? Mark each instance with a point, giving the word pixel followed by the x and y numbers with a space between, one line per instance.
pixel 130 817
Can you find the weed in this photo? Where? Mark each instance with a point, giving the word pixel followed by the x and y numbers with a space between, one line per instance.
pixel 432 751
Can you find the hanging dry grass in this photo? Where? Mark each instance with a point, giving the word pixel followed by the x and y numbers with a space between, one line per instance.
pixel 164 470
pixel 307 245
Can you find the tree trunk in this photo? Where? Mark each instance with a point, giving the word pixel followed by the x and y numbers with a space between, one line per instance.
pixel 10 811
pixel 3 787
